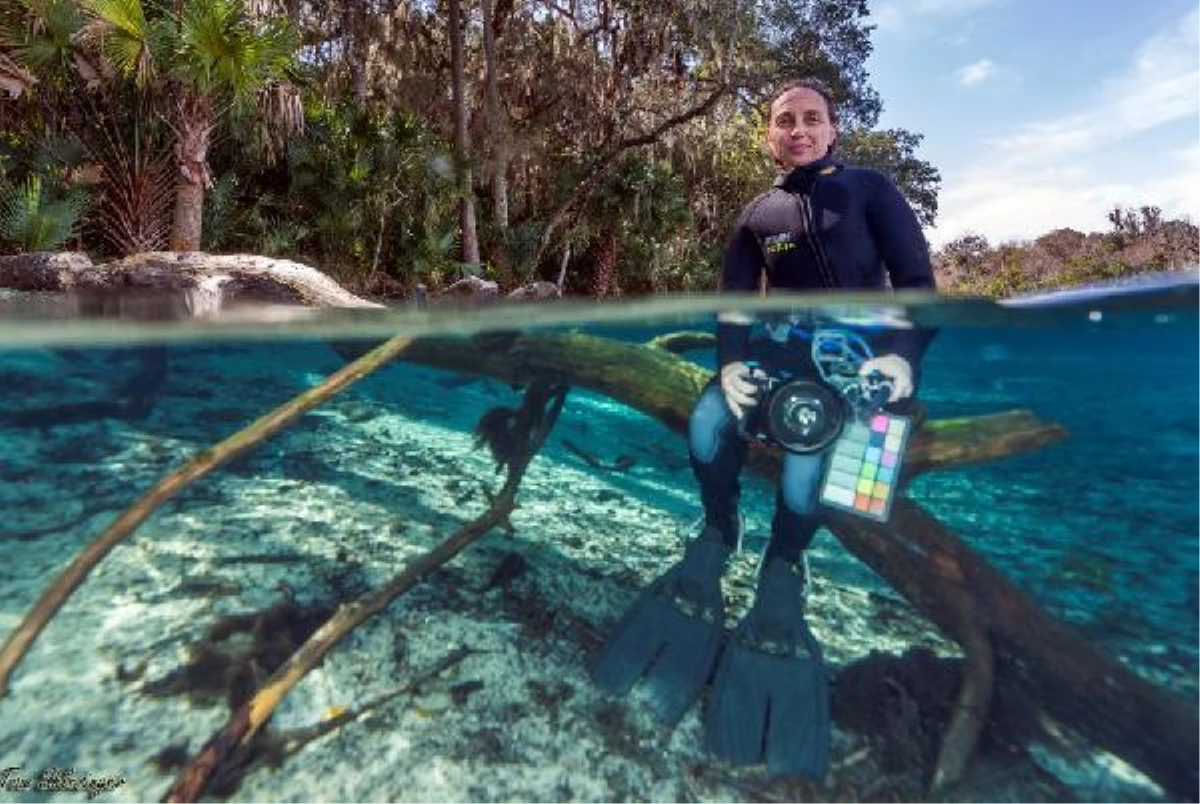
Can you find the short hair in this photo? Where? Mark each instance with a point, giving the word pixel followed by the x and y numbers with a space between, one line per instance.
pixel 817 86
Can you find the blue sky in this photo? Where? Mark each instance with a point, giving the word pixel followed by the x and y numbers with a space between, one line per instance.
pixel 1041 114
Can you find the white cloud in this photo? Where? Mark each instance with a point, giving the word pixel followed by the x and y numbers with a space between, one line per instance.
pixel 974 73
pixel 1162 86
pixel 1180 191
pixel 1013 207
pixel 1164 83
pixel 1058 172
pixel 1025 204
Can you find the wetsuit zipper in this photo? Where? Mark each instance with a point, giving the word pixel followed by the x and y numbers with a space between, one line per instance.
pixel 824 270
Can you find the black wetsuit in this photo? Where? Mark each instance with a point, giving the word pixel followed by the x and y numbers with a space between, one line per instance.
pixel 824 226
pixel 827 226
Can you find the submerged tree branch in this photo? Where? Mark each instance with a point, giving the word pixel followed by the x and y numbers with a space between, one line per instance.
pixel 535 425
pixel 1050 663
pixel 970 714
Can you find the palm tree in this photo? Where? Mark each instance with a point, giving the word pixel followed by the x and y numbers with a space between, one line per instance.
pixel 197 61
pixel 203 60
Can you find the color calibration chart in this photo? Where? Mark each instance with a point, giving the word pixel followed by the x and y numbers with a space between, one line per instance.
pixel 862 473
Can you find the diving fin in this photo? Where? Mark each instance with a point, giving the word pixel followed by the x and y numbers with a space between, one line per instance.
pixel 669 638
pixel 770 695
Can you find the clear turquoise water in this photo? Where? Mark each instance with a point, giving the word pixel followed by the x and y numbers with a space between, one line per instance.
pixel 1101 529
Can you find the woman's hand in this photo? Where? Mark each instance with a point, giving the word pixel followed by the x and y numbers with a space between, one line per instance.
pixel 740 393
pixel 898 371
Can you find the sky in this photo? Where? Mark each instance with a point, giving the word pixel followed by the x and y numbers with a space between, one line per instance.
pixel 1043 114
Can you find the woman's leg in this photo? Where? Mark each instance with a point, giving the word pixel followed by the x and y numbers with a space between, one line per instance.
pixel 717 454
pixel 796 520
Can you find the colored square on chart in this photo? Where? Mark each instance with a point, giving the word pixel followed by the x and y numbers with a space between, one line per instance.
pixel 873 455
pixel 878 506
pixel 880 423
pixel 865 486
pixel 888 459
pixel 862 502
pixel 845 464
pixel 841 496
pixel 886 473
pixel 843 480
pixel 855 436
pixel 882 490
pixel 869 471
pixel 893 442
pixel 876 440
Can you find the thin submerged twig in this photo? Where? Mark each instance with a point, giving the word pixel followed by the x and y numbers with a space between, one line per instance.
pixel 18 642
pixel 297 739
pixel 536 421
pixel 248 757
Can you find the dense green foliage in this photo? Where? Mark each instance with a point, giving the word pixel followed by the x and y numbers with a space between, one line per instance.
pixel 359 192
pixel 33 219
pixel 611 144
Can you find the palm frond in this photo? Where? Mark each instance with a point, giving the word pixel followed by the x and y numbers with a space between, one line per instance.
pixel 41 37
pixel 138 199
pixel 14 78
pixel 223 49
pixel 212 44
pixel 119 29
pixel 129 144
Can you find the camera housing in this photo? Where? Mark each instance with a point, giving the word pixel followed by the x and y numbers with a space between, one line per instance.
pixel 800 415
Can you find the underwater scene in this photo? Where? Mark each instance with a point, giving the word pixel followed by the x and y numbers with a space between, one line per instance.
pixel 222 582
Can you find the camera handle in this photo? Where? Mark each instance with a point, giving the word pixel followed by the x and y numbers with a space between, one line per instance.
pixel 763 382
pixel 839 355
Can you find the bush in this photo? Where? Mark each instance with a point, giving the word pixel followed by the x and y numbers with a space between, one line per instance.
pixel 33 218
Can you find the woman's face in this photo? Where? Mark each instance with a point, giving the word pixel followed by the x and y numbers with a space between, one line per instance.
pixel 800 131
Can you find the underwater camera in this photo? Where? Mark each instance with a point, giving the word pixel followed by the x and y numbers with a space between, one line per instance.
pixel 804 415
pixel 842 413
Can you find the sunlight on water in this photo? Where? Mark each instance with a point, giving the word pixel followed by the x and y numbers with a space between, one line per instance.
pixel 108 395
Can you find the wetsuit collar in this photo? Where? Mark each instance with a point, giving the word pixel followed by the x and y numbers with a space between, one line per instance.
pixel 802 178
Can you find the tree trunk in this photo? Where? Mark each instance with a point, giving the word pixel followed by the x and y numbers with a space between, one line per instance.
pixel 604 277
pixel 189 217
pixel 497 123
pixel 192 125
pixel 352 25
pixel 462 145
